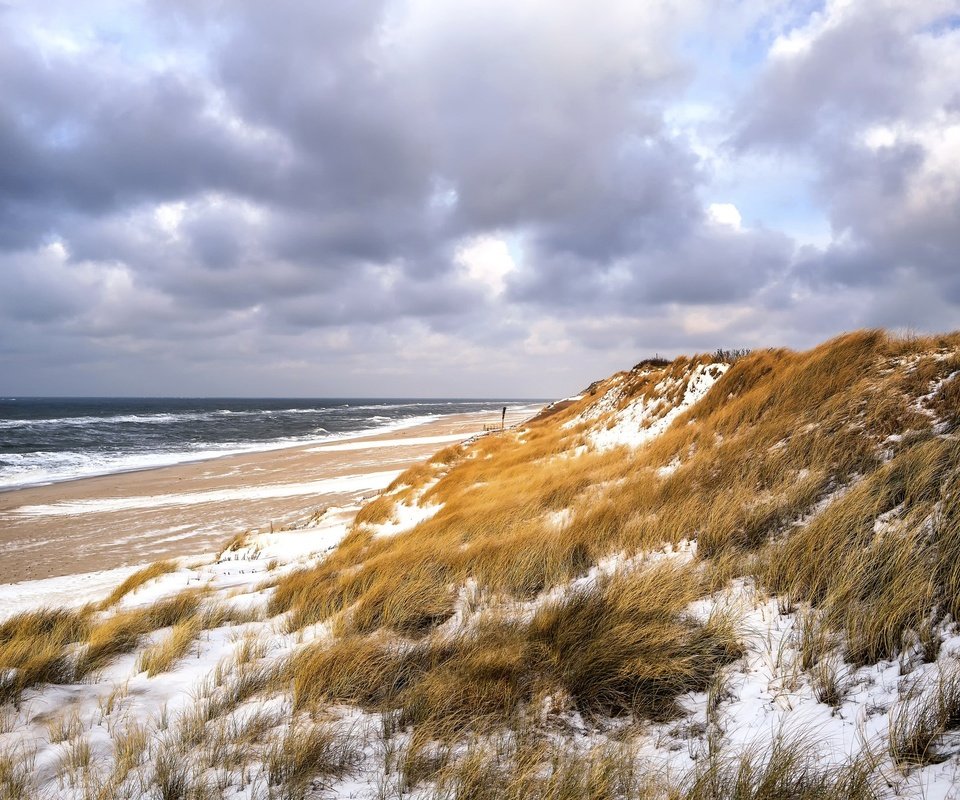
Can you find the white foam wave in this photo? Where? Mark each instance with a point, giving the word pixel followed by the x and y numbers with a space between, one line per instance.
pixel 44 467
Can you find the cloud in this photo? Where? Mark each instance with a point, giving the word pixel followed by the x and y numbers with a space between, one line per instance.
pixel 487 260
pixel 480 197
pixel 867 98
pixel 724 214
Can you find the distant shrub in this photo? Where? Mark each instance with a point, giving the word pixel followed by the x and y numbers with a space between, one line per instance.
pixel 656 361
pixel 730 356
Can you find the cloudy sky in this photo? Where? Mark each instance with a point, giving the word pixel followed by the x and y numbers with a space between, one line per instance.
pixel 463 197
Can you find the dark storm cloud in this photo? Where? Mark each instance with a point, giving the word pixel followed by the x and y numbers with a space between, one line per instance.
pixel 85 135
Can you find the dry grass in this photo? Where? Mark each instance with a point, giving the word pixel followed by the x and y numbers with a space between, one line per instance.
pixel 307 752
pixel 16 774
pixel 163 655
pixel 780 473
pixel 121 632
pixel 129 748
pixel 628 646
pixel 624 647
pixel 138 579
pixel 878 588
pixel 33 648
pixel 511 771
pixel 492 530
pixel 816 473
pixel 377 511
pixel 64 727
pixel 784 769
pixel 922 717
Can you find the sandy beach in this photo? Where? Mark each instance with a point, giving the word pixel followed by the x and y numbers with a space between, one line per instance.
pixel 123 519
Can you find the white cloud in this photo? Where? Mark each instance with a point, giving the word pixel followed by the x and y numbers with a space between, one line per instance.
pixel 726 214
pixel 487 260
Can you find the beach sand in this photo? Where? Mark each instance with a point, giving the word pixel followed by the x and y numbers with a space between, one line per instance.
pixel 131 518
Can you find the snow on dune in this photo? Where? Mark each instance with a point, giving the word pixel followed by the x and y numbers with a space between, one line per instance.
pixel 69 590
pixel 405 518
pixel 643 419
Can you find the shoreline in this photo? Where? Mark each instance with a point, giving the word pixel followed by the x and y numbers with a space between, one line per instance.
pixel 107 522
pixel 179 458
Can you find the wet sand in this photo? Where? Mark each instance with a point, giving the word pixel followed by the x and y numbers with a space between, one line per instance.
pixel 135 517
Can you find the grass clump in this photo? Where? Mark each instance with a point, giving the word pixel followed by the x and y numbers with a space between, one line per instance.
pixel 628 647
pixel 307 752
pixel 377 511
pixel 786 769
pixel 414 606
pixel 121 632
pixel 16 773
pixel 33 648
pixel 512 771
pixel 138 579
pixel 921 718
pixel 161 656
pixel 880 558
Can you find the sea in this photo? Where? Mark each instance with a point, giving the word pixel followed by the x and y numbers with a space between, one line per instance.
pixel 46 440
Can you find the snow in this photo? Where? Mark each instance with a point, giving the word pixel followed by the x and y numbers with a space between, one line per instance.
pixel 69 591
pixel 644 419
pixel 606 403
pixel 344 484
pixel 765 694
pixel 558 520
pixel 120 695
pixel 405 517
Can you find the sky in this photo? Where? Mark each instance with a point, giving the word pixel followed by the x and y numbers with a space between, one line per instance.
pixel 463 197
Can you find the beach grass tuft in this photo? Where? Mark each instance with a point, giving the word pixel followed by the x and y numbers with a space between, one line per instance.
pixel 138 579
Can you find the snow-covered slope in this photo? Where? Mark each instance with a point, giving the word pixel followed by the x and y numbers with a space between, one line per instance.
pixel 708 578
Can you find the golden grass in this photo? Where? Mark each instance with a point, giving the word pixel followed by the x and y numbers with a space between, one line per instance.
pixel 377 511
pixel 64 727
pixel 628 646
pixel 490 529
pixel 877 588
pixel 537 769
pixel 946 400
pixel 779 473
pixel 16 773
pixel 786 769
pixel 33 648
pixel 306 752
pixel 161 656
pixel 624 647
pixel 129 747
pixel 121 632
pixel 138 579
pixel 819 474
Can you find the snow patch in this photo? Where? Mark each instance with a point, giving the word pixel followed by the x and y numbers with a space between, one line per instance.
pixel 643 419
pixel 405 518
pixel 342 484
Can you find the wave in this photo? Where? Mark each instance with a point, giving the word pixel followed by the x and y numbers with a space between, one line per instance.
pixel 178 417
pixel 18 470
pixel 117 419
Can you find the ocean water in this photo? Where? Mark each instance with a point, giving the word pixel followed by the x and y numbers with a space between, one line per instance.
pixel 45 440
